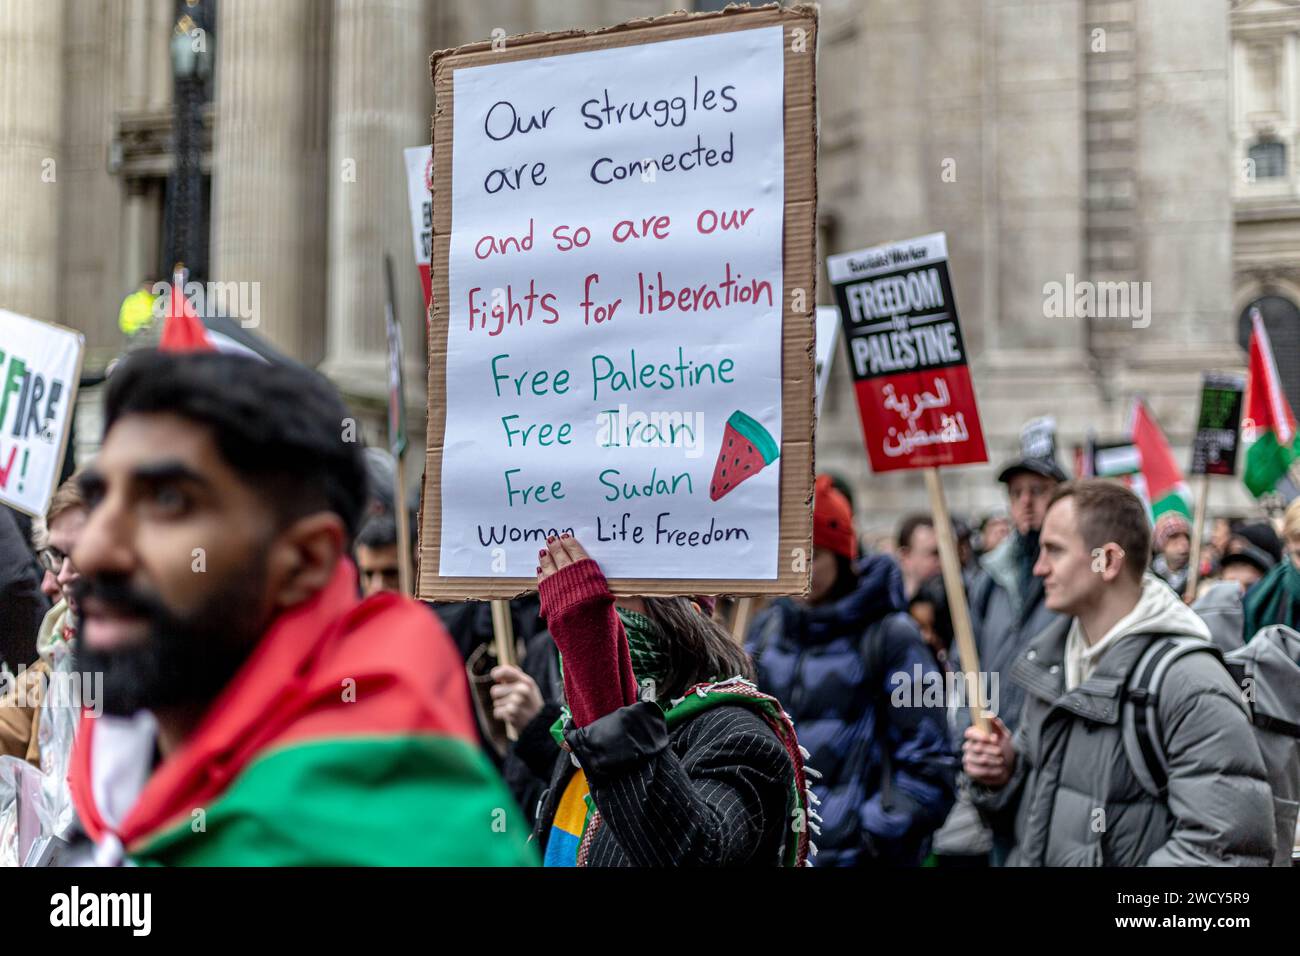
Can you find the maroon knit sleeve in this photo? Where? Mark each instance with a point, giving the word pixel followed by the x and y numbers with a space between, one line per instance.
pixel 579 610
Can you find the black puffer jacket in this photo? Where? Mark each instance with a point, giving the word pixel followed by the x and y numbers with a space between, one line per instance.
pixel 22 605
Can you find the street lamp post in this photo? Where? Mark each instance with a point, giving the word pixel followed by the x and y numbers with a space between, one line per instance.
pixel 191 66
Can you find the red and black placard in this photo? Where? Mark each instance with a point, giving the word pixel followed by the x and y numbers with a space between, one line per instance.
pixel 907 355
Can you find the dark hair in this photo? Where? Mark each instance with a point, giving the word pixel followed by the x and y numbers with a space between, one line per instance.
pixel 846 579
pixel 909 525
pixel 280 426
pixel 698 647
pixel 1108 512
pixel 842 486
pixel 379 531
pixel 933 593
pixel 991 517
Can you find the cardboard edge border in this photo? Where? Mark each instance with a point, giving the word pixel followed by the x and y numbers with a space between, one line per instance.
pixel 798 341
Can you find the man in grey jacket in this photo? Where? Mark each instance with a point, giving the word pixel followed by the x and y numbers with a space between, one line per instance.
pixel 1066 776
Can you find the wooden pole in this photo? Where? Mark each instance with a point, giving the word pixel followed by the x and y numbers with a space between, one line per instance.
pixel 503 630
pixel 956 591
pixel 740 622
pixel 404 575
pixel 1198 523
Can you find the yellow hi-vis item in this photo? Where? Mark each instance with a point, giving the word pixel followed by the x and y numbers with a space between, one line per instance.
pixel 136 312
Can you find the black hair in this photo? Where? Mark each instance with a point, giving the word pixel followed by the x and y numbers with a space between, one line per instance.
pixel 846 579
pixel 379 531
pixel 284 428
pixel 932 592
pixel 842 486
pixel 909 525
pixel 699 649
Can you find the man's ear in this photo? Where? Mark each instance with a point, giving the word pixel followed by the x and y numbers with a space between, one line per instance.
pixel 1114 566
pixel 305 556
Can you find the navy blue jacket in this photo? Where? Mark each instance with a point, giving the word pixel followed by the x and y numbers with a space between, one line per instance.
pixel 880 744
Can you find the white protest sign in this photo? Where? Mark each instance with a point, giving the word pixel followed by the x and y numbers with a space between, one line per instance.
pixel 828 332
pixel 40 367
pixel 419 177
pixel 614 347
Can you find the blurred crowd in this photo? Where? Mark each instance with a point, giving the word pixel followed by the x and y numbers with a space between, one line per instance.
pixel 221 583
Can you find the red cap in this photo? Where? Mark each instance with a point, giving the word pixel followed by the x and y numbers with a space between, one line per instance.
pixel 833 520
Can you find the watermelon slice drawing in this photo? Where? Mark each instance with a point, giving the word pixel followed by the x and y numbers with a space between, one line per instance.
pixel 747 448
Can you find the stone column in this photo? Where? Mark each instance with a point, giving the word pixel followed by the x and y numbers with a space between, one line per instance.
pixel 160 18
pixel 382 103
pixel 137 30
pixel 269 182
pixel 31 143
pixel 1185 232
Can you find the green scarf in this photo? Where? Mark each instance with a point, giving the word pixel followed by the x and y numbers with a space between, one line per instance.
pixel 650 664
pixel 1275 599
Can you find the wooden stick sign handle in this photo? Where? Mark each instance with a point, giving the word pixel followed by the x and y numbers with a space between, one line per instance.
pixel 956 591
pixel 740 622
pixel 404 575
pixel 1198 523
pixel 503 631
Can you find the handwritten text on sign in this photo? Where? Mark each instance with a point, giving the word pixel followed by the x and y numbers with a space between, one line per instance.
pixel 906 352
pixel 39 366
pixel 614 346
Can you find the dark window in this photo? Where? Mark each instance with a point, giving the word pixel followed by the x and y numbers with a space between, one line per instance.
pixel 1282 322
pixel 1269 158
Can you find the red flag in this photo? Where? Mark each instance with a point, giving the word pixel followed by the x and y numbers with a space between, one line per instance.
pixel 1165 489
pixel 183 330
pixel 1268 428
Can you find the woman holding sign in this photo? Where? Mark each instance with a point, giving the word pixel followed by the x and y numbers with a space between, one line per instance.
pixel 665 754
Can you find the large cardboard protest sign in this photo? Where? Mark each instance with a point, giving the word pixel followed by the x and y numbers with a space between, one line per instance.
pixel 907 355
pixel 40 367
pixel 622 322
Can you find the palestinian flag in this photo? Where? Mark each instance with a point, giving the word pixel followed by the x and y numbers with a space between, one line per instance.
pixel 1160 482
pixel 345 739
pixel 1268 427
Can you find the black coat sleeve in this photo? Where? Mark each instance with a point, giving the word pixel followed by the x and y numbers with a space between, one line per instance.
pixel 714 796
pixel 22 605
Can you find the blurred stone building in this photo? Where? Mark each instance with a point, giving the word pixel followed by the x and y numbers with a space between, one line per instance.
pixel 1266 177
pixel 1052 140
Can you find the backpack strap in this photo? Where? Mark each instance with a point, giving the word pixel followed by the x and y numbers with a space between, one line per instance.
pixel 1273 724
pixel 1140 727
